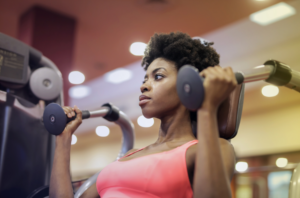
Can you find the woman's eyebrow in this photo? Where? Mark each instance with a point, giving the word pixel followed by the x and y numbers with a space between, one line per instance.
pixel 154 71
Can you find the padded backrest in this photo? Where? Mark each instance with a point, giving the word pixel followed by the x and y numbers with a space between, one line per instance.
pixel 230 113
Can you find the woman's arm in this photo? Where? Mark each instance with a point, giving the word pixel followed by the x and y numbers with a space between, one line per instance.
pixel 228 157
pixel 211 177
pixel 60 181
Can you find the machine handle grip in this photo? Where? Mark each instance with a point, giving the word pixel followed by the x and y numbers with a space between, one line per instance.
pixel 239 77
pixel 85 115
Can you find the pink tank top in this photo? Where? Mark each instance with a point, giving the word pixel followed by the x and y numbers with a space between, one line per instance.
pixel 159 175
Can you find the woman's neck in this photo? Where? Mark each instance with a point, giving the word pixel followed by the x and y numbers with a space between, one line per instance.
pixel 175 127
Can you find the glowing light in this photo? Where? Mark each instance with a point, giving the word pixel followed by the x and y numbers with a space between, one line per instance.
pixel 74 140
pixel 80 91
pixel 241 166
pixel 138 48
pixel 102 131
pixel 272 14
pixel 144 122
pixel 76 77
pixel 118 75
pixel 270 91
pixel 281 162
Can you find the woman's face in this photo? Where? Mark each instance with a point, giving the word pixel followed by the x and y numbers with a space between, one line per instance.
pixel 160 87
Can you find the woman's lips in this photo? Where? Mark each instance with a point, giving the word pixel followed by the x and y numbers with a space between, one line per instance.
pixel 144 99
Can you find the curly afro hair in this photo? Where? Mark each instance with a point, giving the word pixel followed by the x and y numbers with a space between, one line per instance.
pixel 181 49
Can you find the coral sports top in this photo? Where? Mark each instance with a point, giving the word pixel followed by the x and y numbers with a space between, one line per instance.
pixel 158 175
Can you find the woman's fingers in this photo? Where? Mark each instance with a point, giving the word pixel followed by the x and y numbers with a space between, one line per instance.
pixel 218 73
pixel 219 83
pixel 69 111
pixel 74 124
pixel 78 112
pixel 231 74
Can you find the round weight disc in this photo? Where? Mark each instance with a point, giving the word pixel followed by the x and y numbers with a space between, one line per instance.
pixel 190 87
pixel 54 119
pixel 45 83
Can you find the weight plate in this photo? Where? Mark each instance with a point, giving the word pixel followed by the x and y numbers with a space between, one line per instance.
pixel 190 87
pixel 54 119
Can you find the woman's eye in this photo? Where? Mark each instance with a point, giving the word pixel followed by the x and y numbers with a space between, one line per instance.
pixel 157 76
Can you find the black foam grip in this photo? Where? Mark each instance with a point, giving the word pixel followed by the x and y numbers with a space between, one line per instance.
pixel 239 77
pixel 281 74
pixel 85 115
pixel 113 113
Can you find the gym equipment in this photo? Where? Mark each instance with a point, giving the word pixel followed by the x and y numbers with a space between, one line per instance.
pixel 28 82
pixel 190 84
pixel 27 150
pixel 294 191
pixel 55 119
pixel 21 64
pixel 191 91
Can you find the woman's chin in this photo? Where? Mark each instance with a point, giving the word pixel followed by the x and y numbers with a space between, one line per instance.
pixel 147 114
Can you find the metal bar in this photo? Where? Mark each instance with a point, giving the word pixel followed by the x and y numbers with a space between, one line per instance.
pixel 7 115
pixel 261 72
pixel 99 113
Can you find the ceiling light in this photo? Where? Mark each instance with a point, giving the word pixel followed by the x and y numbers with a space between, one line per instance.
pixel 74 140
pixel 281 162
pixel 144 122
pixel 76 77
pixel 270 91
pixel 138 48
pixel 102 131
pixel 272 14
pixel 118 75
pixel 80 91
pixel 241 166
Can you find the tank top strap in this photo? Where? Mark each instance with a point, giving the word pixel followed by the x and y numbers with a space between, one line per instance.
pixel 188 144
pixel 132 152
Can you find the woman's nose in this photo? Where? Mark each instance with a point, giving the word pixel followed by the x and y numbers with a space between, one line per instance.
pixel 144 87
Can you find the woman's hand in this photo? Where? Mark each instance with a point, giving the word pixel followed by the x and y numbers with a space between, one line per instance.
pixel 218 84
pixel 74 124
pixel 60 181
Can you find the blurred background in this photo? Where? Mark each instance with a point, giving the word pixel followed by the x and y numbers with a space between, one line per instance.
pixel 97 45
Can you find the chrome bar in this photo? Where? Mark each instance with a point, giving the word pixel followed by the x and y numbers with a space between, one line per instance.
pixel 261 72
pixel 99 113
pixel 128 133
